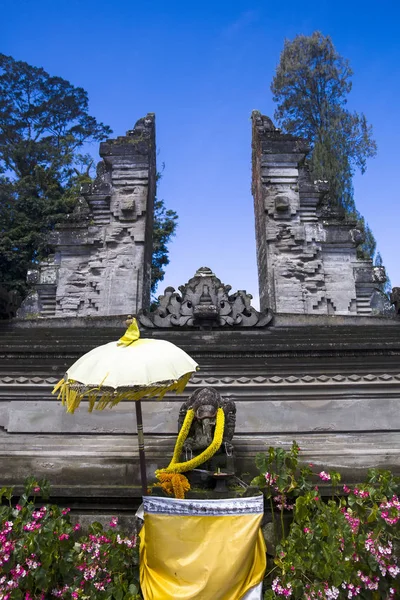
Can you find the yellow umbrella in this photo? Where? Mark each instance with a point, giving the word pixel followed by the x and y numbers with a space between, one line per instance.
pixel 129 369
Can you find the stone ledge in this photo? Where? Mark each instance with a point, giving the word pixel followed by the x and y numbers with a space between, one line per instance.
pixel 106 467
pixel 259 380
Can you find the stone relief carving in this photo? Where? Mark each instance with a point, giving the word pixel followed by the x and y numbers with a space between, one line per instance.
pixel 204 302
pixel 268 380
pixel 103 249
pixel 306 249
pixel 205 402
pixel 395 300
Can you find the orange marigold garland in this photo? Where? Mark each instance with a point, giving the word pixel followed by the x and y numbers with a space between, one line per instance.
pixel 173 484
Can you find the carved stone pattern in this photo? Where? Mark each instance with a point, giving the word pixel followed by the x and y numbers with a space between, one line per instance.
pixel 306 254
pixel 204 302
pixel 103 249
pixel 395 299
pixel 297 379
pixel 258 380
pixel 232 506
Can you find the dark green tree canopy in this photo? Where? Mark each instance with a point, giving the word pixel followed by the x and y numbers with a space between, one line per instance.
pixel 311 86
pixel 165 223
pixel 44 121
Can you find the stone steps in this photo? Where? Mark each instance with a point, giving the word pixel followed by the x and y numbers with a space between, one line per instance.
pixel 48 302
pixel 100 212
pixel 364 304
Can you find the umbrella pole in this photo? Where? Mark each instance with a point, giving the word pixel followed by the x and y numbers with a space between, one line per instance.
pixel 142 457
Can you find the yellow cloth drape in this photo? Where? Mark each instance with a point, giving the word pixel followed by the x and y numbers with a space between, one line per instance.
pixel 191 556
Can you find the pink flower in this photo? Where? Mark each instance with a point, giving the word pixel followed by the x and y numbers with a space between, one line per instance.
pixel 280 590
pixel 324 476
pixel 18 507
pixel 65 511
pixel 346 489
pixel 36 489
pixel 390 510
pixel 310 464
pixel 352 521
pixel 77 527
pixel 307 530
pixel 31 526
pixel 63 536
pixel 269 478
pixel 113 522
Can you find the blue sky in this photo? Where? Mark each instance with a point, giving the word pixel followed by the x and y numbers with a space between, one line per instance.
pixel 202 67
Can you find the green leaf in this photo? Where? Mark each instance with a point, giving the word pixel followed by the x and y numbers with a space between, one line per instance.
pixel 132 592
pixel 96 527
pixel 118 594
pixel 351 500
pixel 258 481
pixel 261 463
pixel 301 508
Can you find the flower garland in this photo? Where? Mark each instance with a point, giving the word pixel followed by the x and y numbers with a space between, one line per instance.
pixel 174 483
pixel 176 467
pixel 183 433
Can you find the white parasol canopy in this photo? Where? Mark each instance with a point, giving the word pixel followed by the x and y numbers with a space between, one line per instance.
pixel 130 369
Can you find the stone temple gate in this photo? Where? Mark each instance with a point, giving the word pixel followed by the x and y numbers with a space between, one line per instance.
pixel 318 363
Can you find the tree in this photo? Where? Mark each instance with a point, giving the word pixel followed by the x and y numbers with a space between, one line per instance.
pixel 311 86
pixel 165 223
pixel 44 121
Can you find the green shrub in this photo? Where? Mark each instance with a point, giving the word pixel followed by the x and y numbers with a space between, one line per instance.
pixel 43 557
pixel 337 548
pixel 343 547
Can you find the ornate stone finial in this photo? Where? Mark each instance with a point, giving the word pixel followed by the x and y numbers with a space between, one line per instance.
pixel 204 272
pixel 204 302
pixel 395 299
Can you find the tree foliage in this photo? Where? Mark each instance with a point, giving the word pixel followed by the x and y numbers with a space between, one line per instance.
pixel 44 121
pixel 311 86
pixel 165 223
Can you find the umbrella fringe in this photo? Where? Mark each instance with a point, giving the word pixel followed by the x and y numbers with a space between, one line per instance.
pixel 71 393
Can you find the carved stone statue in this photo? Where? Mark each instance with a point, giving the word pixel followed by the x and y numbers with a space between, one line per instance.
pixel 205 403
pixel 395 299
pixel 204 301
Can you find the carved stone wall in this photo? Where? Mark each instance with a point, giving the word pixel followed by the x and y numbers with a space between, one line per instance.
pixel 306 257
pixel 103 251
pixel 333 385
